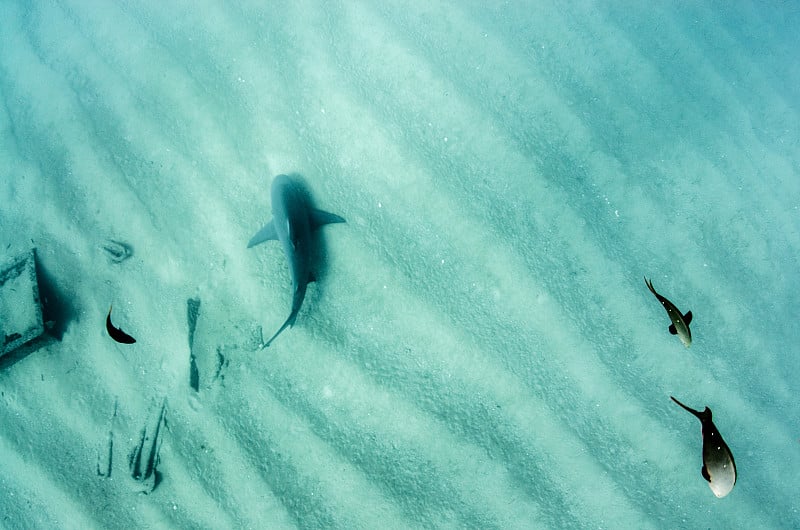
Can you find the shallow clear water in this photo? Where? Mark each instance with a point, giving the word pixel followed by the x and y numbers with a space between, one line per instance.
pixel 480 349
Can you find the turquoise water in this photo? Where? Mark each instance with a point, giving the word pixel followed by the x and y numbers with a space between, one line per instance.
pixel 480 349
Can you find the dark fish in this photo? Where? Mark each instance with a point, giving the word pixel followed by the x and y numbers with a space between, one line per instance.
pixel 116 333
pixel 718 469
pixel 680 322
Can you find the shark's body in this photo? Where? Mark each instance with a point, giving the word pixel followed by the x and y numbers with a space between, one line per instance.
pixel 680 322
pixel 718 469
pixel 293 220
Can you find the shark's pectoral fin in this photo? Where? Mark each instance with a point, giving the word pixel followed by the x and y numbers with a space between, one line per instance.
pixel 687 317
pixel 265 234
pixel 672 329
pixel 320 217
pixel 704 472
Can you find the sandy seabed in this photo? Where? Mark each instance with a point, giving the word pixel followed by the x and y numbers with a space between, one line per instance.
pixel 479 349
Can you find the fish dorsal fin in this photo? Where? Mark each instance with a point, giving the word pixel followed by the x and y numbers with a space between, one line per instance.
pixel 267 233
pixel 672 329
pixel 687 317
pixel 320 217
pixel 704 472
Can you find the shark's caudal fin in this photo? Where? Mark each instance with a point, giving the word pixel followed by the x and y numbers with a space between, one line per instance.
pixel 320 217
pixel 265 234
pixel 289 323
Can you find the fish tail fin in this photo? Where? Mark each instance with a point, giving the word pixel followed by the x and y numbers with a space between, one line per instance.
pixel 696 413
pixel 289 323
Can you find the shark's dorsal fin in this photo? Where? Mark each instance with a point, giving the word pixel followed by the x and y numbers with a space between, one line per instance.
pixel 321 217
pixel 265 234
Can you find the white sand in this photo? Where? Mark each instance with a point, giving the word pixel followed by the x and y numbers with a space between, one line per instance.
pixel 480 349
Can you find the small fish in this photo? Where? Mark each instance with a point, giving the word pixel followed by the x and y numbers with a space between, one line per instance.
pixel 718 469
pixel 116 333
pixel 680 322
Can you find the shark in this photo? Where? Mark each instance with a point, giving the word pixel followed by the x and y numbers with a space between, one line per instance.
pixel 293 220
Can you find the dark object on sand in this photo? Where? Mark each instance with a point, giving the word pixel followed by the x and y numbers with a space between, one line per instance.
pixel 105 470
pixel 144 458
pixel 192 312
pixel 117 251
pixel 20 306
pixel 116 333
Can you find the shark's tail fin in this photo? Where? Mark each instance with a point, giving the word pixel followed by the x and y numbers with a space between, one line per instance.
pixel 289 323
